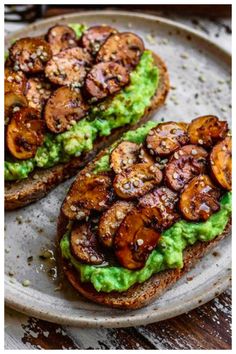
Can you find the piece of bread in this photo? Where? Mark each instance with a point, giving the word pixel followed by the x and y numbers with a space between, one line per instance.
pixel 41 181
pixel 138 295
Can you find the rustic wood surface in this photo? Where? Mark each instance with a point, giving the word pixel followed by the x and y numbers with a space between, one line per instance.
pixel 207 327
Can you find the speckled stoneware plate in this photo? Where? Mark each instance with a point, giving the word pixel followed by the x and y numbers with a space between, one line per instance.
pixel 200 79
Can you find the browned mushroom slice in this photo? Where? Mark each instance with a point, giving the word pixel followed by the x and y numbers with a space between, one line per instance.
pixel 30 54
pixel 137 180
pixel 64 108
pixel 111 220
pixel 145 157
pixel 95 36
pixel 88 192
pixel 207 130
pixel 199 199
pixel 134 241
pixel 37 93
pixel 124 155
pixel 185 163
pixel 221 163
pixel 61 37
pixel 14 81
pixel 69 67
pixel 124 48
pixel 105 79
pixel 25 133
pixel 158 208
pixel 13 101
pixel 84 245
pixel 166 138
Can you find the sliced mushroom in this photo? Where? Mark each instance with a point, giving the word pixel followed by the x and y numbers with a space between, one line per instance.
pixel 111 220
pixel 199 199
pixel 13 101
pixel 136 180
pixel 158 208
pixel 105 79
pixel 166 138
pixel 84 245
pixel 25 133
pixel 69 67
pixel 64 108
pixel 124 156
pixel 124 48
pixel 14 81
pixel 88 192
pixel 61 37
pixel 37 92
pixel 134 241
pixel 207 130
pixel 221 163
pixel 185 163
pixel 95 36
pixel 30 54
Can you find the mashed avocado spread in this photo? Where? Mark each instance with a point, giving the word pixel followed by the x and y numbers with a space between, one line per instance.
pixel 168 254
pixel 127 107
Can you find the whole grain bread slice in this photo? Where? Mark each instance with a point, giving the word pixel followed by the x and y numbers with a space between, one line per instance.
pixel 139 295
pixel 41 181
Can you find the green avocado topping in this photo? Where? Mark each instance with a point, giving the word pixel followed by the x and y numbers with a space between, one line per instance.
pixel 79 28
pixel 127 107
pixel 167 255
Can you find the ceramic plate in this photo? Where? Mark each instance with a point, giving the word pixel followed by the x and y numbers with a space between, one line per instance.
pixel 200 84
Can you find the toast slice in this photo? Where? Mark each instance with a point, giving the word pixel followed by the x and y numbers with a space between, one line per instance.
pixel 41 181
pixel 138 295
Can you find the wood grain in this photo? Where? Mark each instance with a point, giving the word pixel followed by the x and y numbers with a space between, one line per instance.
pixel 207 327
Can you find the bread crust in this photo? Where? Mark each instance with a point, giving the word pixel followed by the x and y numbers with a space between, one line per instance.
pixel 40 182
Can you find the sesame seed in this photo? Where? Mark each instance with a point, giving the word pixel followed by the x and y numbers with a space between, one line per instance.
pixel 163 143
pixel 119 215
pixel 200 141
pixel 93 259
pixel 176 155
pixel 184 55
pixel 136 183
pixel 201 78
pixel 80 215
pixel 126 185
pixel 175 175
pixel 26 282
pixel 140 242
pixel 194 152
pixel 16 109
pixel 73 208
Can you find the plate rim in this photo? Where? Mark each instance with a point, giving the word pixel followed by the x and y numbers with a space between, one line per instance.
pixel 19 304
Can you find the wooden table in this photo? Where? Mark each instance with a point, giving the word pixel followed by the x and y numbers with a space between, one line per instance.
pixel 208 327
